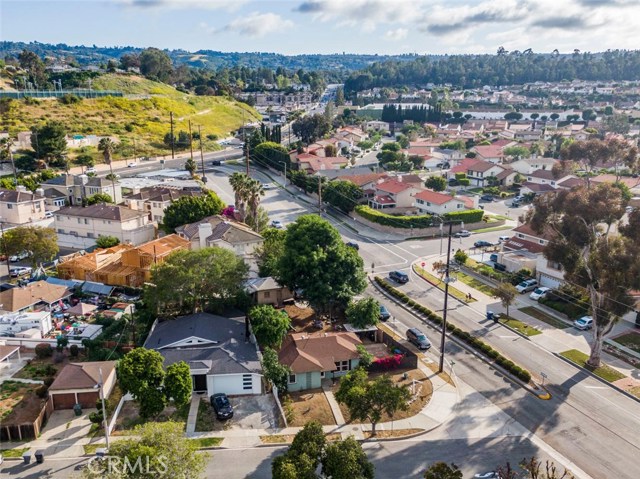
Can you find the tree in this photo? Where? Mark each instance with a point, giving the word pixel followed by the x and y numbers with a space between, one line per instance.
pixel 269 325
pixel 189 209
pixel 363 313
pixel 192 281
pixel 436 183
pixel 275 372
pixel 340 96
pixel 191 166
pixel 303 456
pixel 156 64
pixel 341 194
pixel 107 241
pixel 140 373
pixel 460 257
pixel 532 467
pixel 506 293
pixel 42 243
pixel 311 127
pixel 160 446
pixel 240 184
pixel 260 221
pixel 316 260
pixel 330 151
pixel 442 470
pixel 554 116
pixel 49 140
pixel 346 460
pixel 253 192
pixel 517 152
pixel 368 400
pixel 270 252
pixel 617 123
pixel 85 160
pixel 606 265
pixel 99 198
pixel 513 115
pixel 107 147
pixel 31 62
pixel 177 383
pixel 594 154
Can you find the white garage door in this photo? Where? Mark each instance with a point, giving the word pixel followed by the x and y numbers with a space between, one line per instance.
pixel 234 384
pixel 549 282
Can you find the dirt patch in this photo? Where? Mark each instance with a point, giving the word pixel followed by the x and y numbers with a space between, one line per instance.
pixel 19 403
pixel 394 433
pixel 39 369
pixel 309 405
pixel 288 438
pixel 303 317
pixel 423 387
pixel 443 375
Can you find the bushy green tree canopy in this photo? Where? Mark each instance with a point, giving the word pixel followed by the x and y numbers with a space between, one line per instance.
pixel 190 209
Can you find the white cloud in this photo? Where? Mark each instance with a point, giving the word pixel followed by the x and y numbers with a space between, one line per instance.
pixel 256 25
pixel 397 34
pixel 228 5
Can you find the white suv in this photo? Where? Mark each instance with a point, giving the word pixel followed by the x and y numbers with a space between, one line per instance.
pixel 527 285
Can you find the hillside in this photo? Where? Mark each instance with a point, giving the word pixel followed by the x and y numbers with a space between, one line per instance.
pixel 143 117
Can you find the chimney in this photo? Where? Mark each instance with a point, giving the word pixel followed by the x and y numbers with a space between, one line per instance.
pixel 21 188
pixel 83 179
pixel 204 231
pixel 40 191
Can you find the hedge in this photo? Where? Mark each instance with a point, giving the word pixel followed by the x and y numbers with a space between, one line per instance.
pixel 421 221
pixel 464 336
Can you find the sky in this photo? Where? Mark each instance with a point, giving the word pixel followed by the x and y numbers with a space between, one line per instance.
pixel 329 26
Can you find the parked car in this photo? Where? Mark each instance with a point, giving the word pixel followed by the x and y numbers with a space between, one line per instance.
pixel 222 406
pixel 19 257
pixel 584 323
pixel 482 244
pixel 514 204
pixel 487 475
pixel 527 285
pixel 48 214
pixel 462 234
pixel 20 271
pixel 216 163
pixel 268 186
pixel 277 224
pixel 384 313
pixel 488 198
pixel 353 244
pixel 539 293
pixel 132 164
pixel 504 239
pixel 418 338
pixel 399 277
pixel 91 169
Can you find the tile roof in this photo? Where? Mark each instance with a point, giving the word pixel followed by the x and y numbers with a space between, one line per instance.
pixel 572 182
pixel 434 197
pixel 14 196
pixel 262 284
pixel 160 193
pixel 538 188
pixel 608 178
pixel 489 151
pixel 505 173
pixel 464 166
pixel 482 166
pixel 15 299
pixel 525 229
pixel 363 179
pixel 318 163
pixel 103 211
pixel 542 174
pixel 383 200
pixel 516 244
pixel 83 375
pixel 304 352
pixel 393 186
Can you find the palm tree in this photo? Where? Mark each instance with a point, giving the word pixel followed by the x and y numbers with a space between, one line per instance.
pixel 239 183
pixel 107 147
pixel 253 193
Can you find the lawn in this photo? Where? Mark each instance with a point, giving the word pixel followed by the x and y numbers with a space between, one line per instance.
pixel 544 317
pixel 288 438
pixel 18 452
pixel 475 283
pixel 205 442
pixel 629 340
pixel 605 372
pixel 493 228
pixel 129 418
pixel 456 293
pixel 310 405
pixel 90 449
pixel 40 369
pixel 519 326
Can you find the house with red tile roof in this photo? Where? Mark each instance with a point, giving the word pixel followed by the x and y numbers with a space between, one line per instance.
pixel 314 164
pixel 393 194
pixel 492 153
pixel 479 172
pixel 432 202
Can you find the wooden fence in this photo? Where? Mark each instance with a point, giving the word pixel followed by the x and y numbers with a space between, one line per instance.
pixel 29 430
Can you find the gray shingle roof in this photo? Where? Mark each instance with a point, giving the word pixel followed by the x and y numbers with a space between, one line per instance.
pixel 13 196
pixel 102 211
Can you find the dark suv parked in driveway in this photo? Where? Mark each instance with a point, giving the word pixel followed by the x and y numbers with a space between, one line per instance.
pixel 222 406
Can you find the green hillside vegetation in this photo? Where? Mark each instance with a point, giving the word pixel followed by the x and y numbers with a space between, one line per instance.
pixel 142 117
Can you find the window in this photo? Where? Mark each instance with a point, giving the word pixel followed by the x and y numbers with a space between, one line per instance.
pixel 342 365
pixel 9 206
pixel 86 221
pixel 79 221
pixel 322 374
pixel 541 241
pixel 554 265
pixel 267 294
pixel 247 382
pixel 292 378
pixel 520 235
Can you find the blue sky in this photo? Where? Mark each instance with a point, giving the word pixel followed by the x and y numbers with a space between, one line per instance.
pixel 329 26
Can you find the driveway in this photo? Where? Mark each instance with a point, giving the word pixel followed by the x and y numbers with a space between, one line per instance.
pixel 250 412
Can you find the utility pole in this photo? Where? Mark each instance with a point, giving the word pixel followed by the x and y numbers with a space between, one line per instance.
pixel 173 140
pixel 247 157
pixel 4 250
pixel 104 411
pixel 320 195
pixel 204 178
pixel 190 140
pixel 446 297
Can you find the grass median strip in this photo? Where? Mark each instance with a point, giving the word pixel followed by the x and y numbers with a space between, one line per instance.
pixel 629 340
pixel 544 317
pixel 493 228
pixel 476 284
pixel 204 442
pixel 13 452
pixel 438 283
pixel 605 372
pixel 522 328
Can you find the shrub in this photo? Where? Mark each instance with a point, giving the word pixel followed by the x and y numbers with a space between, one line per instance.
pixel 48 381
pixel 58 357
pixel 44 350
pixel 42 391
pixel 74 350
pixel 96 417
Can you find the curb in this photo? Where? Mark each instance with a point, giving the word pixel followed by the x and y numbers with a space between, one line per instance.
pixel 462 345
pixel 603 381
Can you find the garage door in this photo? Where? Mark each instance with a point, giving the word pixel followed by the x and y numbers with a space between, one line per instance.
pixel 548 281
pixel 226 383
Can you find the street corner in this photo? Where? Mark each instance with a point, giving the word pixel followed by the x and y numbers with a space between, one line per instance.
pixel 542 393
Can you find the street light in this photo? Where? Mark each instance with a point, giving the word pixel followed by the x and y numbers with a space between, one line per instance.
pixel 285 173
pixel 100 385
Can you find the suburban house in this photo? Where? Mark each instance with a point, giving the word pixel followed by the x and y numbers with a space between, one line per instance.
pixel 79 227
pixel 432 202
pixel 367 182
pixel 313 164
pixel 17 323
pixel 35 296
pixel 529 165
pixel 154 200
pixel 377 125
pixel 267 291
pixel 223 232
pixel 492 153
pixel 314 357
pixel 217 349
pixel 20 206
pixel 392 193
pixel 479 172
pixel 528 188
pixel 122 265
pixel 76 384
pixel 548 273
pixel 543 177
pixel 71 190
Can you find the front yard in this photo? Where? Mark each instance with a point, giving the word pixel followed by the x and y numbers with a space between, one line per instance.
pixel 304 406
pixel 129 418
pixel 629 340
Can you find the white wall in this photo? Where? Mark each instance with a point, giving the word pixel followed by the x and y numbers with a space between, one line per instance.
pixel 231 384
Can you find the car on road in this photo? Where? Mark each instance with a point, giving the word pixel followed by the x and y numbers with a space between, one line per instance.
pixel 399 277
pixel 384 313
pixel 48 214
pixel 462 234
pixel 353 244
pixel 504 239
pixel 418 338
pixel 222 406
pixel 277 224
pixel 487 475
pixel 539 293
pixel 584 323
pixel 91 169
pixel 20 271
pixel 482 244
pixel 132 164
pixel 216 163
pixel 527 285
pixel 268 186
pixel 487 198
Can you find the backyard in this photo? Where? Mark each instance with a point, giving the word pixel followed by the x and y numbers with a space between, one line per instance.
pixel 19 402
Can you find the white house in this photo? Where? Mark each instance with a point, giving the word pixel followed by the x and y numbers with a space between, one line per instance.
pixel 155 200
pixel 79 227
pixel 71 190
pixel 18 322
pixel 529 165
pixel 217 349
pixel 479 171
pixel 20 206
pixel 432 202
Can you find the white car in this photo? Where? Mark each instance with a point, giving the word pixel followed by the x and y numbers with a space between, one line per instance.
pixel 132 165
pixel 268 186
pixel 539 293
pixel 584 323
pixel 277 224
pixel 20 271
pixel 91 169
pixel 19 257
